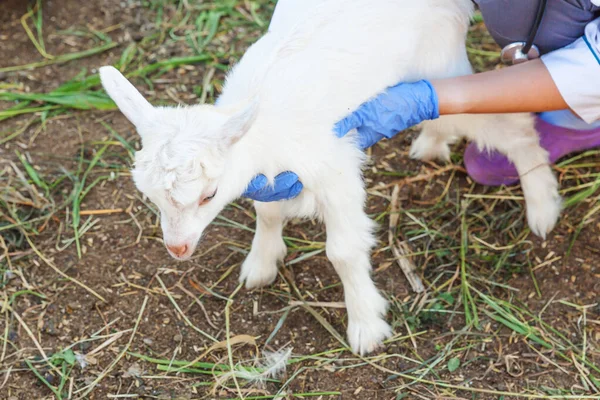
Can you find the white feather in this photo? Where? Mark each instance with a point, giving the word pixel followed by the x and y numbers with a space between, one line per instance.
pixel 271 366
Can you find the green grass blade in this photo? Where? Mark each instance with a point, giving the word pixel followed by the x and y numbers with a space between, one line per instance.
pixel 35 177
pixel 79 100
pixel 62 59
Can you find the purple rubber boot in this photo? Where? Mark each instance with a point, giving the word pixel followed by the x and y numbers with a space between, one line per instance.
pixel 494 169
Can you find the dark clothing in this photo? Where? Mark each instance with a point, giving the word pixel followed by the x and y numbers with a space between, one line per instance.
pixel 563 23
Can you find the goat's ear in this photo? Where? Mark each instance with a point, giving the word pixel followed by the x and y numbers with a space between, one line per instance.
pixel 239 123
pixel 129 100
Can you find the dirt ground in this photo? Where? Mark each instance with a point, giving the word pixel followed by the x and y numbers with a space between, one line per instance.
pixel 506 315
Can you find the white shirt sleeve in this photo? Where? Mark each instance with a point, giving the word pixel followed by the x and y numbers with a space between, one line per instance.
pixel 575 70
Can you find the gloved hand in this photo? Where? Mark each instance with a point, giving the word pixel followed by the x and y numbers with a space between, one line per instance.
pixel 398 108
pixel 286 187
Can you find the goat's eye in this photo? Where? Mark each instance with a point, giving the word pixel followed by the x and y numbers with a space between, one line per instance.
pixel 207 198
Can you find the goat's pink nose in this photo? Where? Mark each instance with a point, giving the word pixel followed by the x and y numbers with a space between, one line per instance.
pixel 178 250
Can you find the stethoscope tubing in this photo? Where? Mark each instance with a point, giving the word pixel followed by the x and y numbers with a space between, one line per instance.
pixel 536 26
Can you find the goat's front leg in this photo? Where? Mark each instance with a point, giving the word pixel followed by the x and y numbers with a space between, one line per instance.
pixel 260 267
pixel 349 242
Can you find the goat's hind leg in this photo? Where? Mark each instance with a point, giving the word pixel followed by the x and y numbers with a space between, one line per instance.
pixel 349 242
pixel 514 135
pixel 268 249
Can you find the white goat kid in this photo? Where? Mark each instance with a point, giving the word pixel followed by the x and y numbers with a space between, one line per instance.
pixel 277 112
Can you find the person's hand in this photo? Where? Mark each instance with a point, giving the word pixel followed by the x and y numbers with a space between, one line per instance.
pixel 398 108
pixel 286 187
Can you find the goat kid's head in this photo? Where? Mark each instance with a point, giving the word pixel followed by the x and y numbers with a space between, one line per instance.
pixel 183 157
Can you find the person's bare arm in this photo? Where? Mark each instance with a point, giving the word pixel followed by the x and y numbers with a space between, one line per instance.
pixel 526 87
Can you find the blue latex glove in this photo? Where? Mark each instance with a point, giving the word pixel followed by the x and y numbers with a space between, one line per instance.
pixel 398 108
pixel 286 187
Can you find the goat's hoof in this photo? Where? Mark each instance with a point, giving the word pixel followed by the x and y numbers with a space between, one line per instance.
pixel 258 274
pixel 543 213
pixel 368 335
pixel 425 148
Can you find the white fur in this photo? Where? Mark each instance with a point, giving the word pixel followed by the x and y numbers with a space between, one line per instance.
pixel 276 113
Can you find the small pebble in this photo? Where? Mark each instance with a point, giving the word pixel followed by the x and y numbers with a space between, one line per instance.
pixel 49 378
